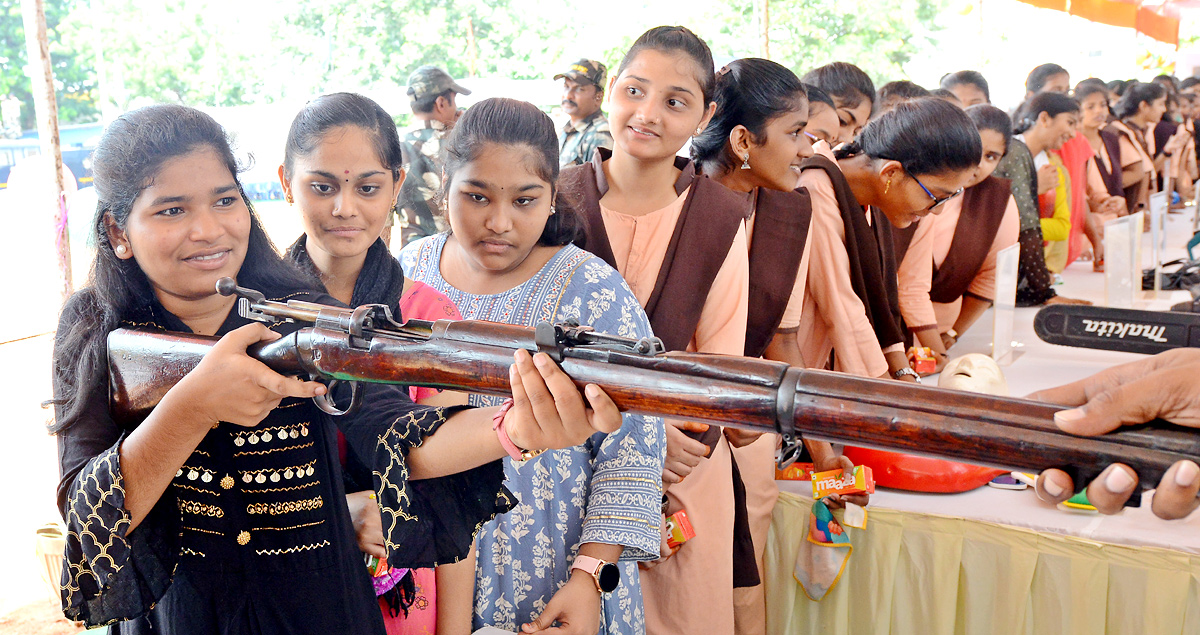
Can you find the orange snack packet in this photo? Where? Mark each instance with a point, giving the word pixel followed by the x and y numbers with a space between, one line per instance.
pixel 679 529
pixel 921 359
pixel 837 481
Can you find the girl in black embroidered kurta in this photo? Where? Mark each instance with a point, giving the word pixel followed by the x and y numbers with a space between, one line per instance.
pixel 189 520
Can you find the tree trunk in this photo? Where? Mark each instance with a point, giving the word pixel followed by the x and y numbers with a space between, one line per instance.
pixel 472 49
pixel 46 107
pixel 764 29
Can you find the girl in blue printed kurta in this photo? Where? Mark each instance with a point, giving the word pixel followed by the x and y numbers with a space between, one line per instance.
pixel 508 259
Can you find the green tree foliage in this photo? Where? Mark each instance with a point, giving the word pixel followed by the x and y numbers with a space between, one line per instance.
pixel 880 36
pixel 382 41
pixel 113 55
pixel 73 73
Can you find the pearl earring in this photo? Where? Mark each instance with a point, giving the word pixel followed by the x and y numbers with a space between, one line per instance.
pixel 121 249
pixel 746 162
pixel 553 211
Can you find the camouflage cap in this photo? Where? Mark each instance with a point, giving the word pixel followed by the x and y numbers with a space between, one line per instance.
pixel 430 80
pixel 587 71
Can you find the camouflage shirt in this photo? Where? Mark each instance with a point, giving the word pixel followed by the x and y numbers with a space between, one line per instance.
pixel 417 204
pixel 580 142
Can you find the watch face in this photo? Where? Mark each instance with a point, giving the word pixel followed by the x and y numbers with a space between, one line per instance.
pixel 609 577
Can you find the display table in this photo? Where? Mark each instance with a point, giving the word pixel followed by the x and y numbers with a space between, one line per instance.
pixel 1000 561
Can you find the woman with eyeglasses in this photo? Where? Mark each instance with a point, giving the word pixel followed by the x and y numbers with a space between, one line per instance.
pixel 948 262
pixel 903 166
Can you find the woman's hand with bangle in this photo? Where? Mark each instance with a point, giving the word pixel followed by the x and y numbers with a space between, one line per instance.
pixel 548 412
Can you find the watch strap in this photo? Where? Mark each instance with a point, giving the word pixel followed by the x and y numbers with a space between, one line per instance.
pixel 590 566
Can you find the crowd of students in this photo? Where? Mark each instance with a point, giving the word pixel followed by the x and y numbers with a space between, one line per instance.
pixel 818 223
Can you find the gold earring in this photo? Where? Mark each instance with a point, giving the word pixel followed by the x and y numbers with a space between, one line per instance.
pixel 289 199
pixel 887 187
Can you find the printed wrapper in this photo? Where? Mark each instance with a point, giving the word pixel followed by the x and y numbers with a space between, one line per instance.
pixel 795 472
pixel 679 529
pixel 377 567
pixel 921 359
pixel 833 482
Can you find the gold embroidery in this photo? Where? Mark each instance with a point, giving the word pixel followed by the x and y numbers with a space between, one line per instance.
pixel 227 482
pixel 275 474
pixel 285 507
pixel 243 538
pixel 190 551
pixel 193 473
pixel 196 489
pixel 204 531
pixel 270 450
pixel 296 549
pixel 266 435
pixel 200 509
pixel 287 528
pixel 268 490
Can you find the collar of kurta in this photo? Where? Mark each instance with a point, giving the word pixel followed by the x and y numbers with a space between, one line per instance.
pixel 687 172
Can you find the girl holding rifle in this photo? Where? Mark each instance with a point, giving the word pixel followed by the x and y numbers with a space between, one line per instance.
pixel 508 258
pixel 222 511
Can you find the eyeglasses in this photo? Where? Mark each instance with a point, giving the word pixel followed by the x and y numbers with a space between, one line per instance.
pixel 936 200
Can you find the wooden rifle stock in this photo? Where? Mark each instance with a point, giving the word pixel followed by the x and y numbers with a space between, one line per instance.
pixel 751 394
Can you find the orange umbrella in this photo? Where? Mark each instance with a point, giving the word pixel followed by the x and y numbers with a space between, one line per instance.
pixel 1156 19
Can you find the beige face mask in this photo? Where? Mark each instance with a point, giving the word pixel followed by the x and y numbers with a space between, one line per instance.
pixel 974 372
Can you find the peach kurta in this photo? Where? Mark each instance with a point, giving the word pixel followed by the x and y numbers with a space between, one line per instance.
pixel 929 248
pixel 833 318
pixel 692 591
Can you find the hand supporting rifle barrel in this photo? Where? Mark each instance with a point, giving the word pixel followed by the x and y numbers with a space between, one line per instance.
pixel 369 344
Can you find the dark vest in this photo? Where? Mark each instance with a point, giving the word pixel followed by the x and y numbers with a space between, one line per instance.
pixel 983 210
pixel 705 231
pixel 781 222
pixel 870 250
pixel 1112 179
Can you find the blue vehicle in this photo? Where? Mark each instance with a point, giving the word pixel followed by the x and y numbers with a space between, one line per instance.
pixel 78 142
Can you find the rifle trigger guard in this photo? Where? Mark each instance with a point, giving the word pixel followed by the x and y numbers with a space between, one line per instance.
pixel 785 418
pixel 328 407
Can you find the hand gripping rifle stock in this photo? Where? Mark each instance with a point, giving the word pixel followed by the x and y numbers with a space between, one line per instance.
pixel 366 345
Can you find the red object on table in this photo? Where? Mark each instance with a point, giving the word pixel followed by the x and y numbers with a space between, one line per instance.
pixel 921 474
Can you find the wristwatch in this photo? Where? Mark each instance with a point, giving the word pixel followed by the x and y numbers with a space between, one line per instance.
pixel 907 371
pixel 606 575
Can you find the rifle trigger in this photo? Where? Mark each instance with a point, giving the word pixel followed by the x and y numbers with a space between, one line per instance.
pixel 328 407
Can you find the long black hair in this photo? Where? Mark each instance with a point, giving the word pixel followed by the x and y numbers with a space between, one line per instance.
pixel 989 117
pixel 132 151
pixel 677 39
pixel 1135 95
pixel 749 92
pixel 512 122
pixel 844 81
pixel 1053 104
pixel 335 110
pixel 927 136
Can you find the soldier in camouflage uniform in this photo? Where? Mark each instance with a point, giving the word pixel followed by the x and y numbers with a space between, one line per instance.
pixel 431 93
pixel 583 91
